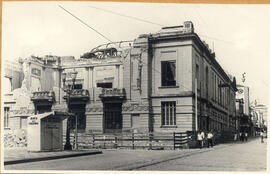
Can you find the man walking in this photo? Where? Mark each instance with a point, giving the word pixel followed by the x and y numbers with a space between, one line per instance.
pixel 210 139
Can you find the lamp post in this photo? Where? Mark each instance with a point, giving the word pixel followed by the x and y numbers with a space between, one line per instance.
pixel 68 89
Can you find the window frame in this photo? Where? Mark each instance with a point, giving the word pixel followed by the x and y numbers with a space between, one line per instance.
pixel 168 120
pixel 6 117
pixel 175 71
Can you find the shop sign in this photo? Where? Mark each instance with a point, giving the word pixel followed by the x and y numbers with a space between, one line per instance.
pixel 33 121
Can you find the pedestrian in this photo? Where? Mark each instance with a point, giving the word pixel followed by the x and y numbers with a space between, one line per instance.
pixel 200 139
pixel 210 139
pixel 261 134
pixel 246 136
pixel 241 136
pixel 235 137
pixel 203 138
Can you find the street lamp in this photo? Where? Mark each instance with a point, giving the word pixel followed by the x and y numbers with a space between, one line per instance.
pixel 68 89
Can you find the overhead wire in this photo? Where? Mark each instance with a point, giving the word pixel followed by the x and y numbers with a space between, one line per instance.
pixel 85 23
pixel 150 22
pixel 127 16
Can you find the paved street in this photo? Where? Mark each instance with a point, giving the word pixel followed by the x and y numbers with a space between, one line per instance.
pixel 250 156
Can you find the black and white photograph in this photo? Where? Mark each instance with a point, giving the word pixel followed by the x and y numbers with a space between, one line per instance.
pixel 133 86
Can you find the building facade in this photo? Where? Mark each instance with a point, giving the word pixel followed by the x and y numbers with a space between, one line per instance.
pixel 149 85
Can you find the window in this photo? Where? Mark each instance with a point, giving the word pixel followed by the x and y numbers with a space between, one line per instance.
pixel 220 93
pixel 197 75
pixel 81 121
pixel 79 111
pixel 6 117
pixel 104 85
pixel 77 86
pixel 168 76
pixel 215 88
pixel 206 81
pixel 168 113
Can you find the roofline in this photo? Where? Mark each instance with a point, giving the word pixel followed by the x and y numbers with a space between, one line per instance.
pixel 201 44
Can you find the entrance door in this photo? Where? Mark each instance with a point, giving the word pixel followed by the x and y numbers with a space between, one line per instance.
pixel 113 117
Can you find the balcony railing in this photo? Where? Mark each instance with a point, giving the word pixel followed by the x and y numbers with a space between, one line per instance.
pixel 43 95
pixel 113 93
pixel 79 94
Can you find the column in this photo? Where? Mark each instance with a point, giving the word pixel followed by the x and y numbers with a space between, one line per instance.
pixel 86 78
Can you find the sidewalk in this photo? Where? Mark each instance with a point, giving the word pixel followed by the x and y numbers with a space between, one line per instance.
pixel 21 155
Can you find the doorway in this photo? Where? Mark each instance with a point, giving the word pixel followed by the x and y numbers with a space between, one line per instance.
pixel 112 117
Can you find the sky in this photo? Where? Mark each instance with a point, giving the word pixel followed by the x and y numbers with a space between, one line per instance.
pixel 239 34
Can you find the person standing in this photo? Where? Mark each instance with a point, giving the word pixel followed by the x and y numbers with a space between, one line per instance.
pixel 261 134
pixel 200 139
pixel 246 136
pixel 210 139
pixel 241 136
pixel 203 138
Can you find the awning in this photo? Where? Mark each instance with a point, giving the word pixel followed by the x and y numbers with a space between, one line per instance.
pixel 53 115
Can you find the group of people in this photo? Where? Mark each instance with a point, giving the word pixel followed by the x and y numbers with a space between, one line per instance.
pixel 201 137
pixel 243 136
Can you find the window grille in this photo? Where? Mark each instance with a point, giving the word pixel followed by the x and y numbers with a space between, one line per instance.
pixel 168 113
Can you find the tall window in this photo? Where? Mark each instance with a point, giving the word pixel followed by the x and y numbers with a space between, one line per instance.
pixel 220 93
pixel 6 117
pixel 206 81
pixel 168 113
pixel 197 73
pixel 213 86
pixel 215 89
pixel 168 76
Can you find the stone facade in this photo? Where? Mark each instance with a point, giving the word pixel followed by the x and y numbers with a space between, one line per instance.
pixel 145 87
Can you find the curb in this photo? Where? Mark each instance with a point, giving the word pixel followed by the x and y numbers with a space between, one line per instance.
pixel 50 157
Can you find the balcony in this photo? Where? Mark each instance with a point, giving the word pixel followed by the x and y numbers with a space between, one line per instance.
pixel 113 93
pixel 78 94
pixel 45 96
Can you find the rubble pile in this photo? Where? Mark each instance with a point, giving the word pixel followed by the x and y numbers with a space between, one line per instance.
pixel 16 138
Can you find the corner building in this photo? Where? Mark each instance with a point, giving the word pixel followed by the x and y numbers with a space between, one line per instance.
pixel 148 85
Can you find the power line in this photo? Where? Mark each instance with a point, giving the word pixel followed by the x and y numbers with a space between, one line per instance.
pixel 84 23
pixel 123 15
pixel 157 24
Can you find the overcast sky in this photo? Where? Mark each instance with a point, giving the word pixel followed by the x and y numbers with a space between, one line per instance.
pixel 239 34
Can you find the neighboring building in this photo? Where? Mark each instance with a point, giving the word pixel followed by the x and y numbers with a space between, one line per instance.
pixel 243 93
pixel 147 86
pixel 243 109
pixel 261 111
pixel 12 79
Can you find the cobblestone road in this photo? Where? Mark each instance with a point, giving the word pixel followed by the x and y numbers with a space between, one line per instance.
pixel 250 156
